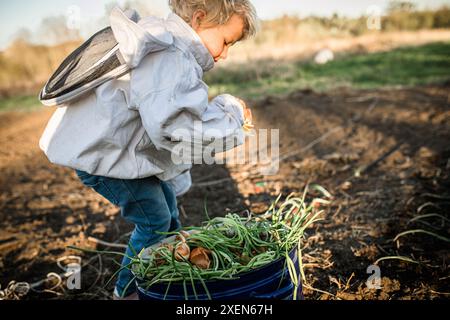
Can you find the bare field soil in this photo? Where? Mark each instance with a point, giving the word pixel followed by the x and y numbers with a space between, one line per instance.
pixel 397 138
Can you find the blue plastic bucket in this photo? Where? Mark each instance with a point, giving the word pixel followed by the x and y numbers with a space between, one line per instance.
pixel 271 281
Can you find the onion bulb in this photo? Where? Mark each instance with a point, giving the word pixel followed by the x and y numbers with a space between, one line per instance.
pixel 182 251
pixel 199 257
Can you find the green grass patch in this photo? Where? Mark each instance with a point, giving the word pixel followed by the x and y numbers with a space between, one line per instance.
pixel 407 66
pixel 19 103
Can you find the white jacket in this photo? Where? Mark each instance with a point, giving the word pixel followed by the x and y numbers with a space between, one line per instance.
pixel 124 128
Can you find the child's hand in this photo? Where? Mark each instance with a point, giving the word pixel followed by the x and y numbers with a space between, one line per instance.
pixel 248 117
pixel 248 120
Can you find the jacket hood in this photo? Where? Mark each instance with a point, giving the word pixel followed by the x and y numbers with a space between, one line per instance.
pixel 137 38
pixel 110 53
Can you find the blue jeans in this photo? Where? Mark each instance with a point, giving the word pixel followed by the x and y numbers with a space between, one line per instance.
pixel 149 203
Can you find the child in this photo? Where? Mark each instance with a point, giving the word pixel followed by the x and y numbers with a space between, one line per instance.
pixel 121 138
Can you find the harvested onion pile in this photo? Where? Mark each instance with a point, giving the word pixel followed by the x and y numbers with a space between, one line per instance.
pixel 226 246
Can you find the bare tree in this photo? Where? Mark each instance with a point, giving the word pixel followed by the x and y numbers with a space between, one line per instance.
pixel 55 30
pixel 23 34
pixel 402 6
pixel 144 8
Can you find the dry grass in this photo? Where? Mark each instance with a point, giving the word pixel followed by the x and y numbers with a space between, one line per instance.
pixel 298 45
pixel 25 67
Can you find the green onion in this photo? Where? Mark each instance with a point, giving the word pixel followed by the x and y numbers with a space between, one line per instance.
pixel 234 244
pixel 238 244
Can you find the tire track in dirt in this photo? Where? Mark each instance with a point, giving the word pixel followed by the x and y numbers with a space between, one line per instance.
pixel 367 212
pixel 19 141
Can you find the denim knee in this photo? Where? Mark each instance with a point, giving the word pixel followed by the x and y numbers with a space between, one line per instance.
pixel 147 235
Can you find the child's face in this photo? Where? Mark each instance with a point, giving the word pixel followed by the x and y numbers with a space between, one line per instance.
pixel 219 38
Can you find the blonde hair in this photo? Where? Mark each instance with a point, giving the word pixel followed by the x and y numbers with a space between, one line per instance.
pixel 219 12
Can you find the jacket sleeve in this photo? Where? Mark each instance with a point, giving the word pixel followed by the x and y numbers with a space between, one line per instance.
pixel 181 118
pixel 181 183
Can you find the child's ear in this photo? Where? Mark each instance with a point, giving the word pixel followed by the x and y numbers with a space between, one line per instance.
pixel 197 18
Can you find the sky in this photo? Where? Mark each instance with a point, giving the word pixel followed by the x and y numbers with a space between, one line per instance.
pixel 18 14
